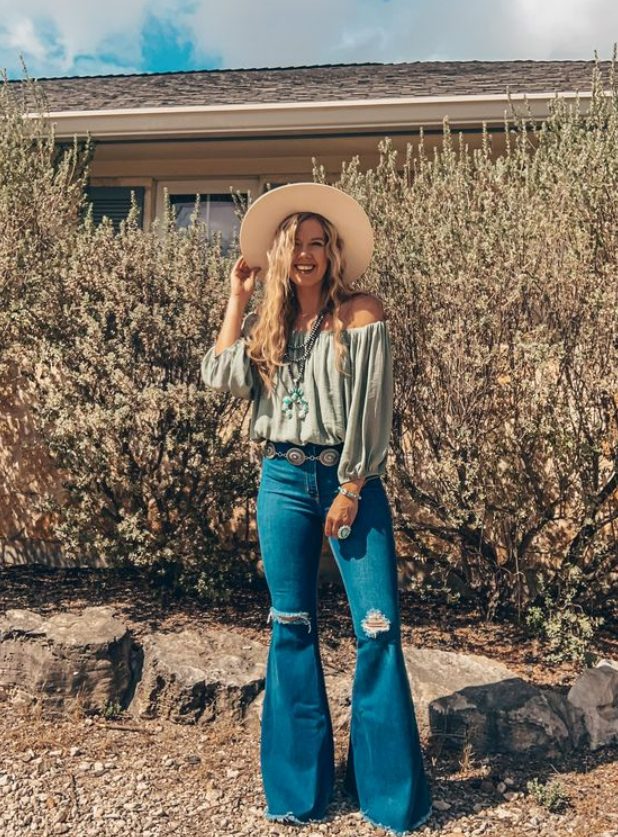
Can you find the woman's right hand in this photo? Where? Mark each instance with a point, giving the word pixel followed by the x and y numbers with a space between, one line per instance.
pixel 242 279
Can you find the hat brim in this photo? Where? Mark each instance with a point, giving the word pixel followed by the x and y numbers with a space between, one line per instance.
pixel 261 220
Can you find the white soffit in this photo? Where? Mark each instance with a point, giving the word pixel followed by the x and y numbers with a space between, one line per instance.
pixel 355 115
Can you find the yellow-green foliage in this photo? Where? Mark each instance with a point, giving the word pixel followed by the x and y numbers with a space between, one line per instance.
pixel 551 795
pixel 500 275
pixel 109 330
pixel 500 280
pixel 41 200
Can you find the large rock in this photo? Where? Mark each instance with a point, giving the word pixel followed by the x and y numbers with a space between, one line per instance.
pixel 594 702
pixel 463 698
pixel 459 697
pixel 67 658
pixel 192 677
pixel 198 676
pixel 92 658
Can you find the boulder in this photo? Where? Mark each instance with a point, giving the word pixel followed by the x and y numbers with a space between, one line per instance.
pixel 593 700
pixel 463 698
pixel 194 677
pixel 66 658
pixel 459 697
pixel 198 676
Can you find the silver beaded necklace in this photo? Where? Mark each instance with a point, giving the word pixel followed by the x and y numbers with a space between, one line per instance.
pixel 297 396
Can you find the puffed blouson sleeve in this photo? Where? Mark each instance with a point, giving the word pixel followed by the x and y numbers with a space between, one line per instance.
pixel 370 408
pixel 231 370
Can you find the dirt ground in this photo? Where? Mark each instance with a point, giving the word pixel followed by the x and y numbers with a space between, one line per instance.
pixel 91 776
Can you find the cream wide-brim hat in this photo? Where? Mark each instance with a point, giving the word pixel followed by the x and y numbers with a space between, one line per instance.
pixel 257 231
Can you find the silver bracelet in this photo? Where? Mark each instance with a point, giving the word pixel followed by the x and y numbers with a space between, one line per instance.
pixel 347 493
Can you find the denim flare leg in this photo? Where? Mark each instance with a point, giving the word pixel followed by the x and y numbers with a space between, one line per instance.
pixel 384 770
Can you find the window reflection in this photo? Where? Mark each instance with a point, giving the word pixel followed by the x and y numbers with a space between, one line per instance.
pixel 216 212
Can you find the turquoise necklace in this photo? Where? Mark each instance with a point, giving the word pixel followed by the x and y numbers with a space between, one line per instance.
pixel 297 395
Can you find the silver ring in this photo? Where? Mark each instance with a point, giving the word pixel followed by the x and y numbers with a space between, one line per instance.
pixel 343 531
pixel 269 450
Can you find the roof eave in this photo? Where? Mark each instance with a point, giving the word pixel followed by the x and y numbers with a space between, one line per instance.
pixel 300 117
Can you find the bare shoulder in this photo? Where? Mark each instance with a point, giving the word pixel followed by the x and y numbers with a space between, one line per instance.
pixel 362 309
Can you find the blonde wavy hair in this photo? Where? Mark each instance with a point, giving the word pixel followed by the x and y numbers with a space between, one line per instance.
pixel 277 313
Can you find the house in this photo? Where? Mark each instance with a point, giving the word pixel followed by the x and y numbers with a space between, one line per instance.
pixel 208 131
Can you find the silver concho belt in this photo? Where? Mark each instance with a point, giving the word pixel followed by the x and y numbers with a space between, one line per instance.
pixel 296 456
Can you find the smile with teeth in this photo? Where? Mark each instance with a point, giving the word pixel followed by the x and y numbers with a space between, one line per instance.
pixel 305 268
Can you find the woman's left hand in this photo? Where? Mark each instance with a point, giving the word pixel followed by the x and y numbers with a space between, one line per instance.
pixel 342 511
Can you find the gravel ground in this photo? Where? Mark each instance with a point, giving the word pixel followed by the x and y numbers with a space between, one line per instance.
pixel 92 776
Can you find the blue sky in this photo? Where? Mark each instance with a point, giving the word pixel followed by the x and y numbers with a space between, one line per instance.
pixel 68 37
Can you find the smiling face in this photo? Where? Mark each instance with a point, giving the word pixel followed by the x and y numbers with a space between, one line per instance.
pixel 309 262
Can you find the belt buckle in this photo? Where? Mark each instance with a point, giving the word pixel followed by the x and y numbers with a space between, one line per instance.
pixel 329 456
pixel 269 450
pixel 295 456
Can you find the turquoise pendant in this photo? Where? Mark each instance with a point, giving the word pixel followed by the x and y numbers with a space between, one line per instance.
pixel 295 397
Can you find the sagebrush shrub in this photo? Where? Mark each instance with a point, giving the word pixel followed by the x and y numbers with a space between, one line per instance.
pixel 108 329
pixel 500 276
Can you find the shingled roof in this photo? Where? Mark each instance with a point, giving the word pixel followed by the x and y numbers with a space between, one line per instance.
pixel 319 83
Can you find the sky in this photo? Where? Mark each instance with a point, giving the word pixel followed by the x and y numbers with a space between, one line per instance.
pixel 100 37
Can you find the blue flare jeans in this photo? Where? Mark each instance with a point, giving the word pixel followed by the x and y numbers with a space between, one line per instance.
pixel 384 769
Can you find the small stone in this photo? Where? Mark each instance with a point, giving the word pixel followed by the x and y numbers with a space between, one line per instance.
pixel 500 787
pixel 441 805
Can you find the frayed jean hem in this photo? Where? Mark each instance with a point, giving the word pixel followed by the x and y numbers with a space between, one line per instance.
pixel 405 833
pixel 289 818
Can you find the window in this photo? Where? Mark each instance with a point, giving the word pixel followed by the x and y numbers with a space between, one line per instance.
pixel 217 211
pixel 114 202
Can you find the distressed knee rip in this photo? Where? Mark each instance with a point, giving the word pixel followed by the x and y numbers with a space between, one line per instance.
pixel 301 618
pixel 375 622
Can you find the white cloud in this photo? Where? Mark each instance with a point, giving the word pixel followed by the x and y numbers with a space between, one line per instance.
pixel 72 38
pixel 274 32
pixel 21 36
pixel 61 38
pixel 557 26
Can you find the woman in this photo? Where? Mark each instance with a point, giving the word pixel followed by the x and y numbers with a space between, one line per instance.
pixel 316 361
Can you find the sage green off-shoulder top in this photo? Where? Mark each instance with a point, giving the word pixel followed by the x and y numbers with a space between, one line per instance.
pixel 355 409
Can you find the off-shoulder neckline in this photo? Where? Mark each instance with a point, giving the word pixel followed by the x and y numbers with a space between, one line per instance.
pixel 331 331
